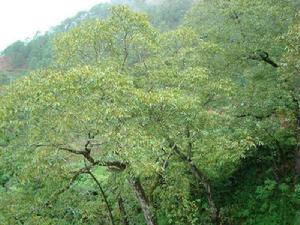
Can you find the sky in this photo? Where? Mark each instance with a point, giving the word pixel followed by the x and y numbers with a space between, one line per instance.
pixel 21 19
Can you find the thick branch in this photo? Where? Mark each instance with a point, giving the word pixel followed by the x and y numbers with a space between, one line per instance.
pixel 190 144
pixel 263 56
pixel 117 164
pixel 202 180
pixel 143 201
pixel 77 152
pixel 297 148
pixel 104 197
pixel 122 210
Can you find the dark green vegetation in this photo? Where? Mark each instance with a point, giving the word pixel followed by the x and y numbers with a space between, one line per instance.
pixel 156 119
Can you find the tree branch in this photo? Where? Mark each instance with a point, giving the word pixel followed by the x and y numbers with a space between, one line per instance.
pixel 104 197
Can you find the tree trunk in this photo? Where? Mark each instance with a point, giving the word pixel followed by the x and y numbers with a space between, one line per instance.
pixel 143 201
pixel 122 211
pixel 202 179
pixel 297 150
pixel 205 183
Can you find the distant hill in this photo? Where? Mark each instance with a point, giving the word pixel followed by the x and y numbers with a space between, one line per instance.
pixel 4 63
pixel 37 52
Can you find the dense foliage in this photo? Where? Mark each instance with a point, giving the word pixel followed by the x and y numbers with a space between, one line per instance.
pixel 189 115
pixel 37 52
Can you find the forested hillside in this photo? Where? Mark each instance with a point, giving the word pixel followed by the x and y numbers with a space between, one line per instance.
pixel 37 52
pixel 156 112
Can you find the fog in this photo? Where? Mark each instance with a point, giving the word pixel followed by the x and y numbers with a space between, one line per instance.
pixel 22 19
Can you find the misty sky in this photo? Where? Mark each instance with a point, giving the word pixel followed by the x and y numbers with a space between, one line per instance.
pixel 20 19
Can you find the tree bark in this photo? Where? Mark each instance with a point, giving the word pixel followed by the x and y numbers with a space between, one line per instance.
pixel 143 201
pixel 122 211
pixel 205 183
pixel 297 150
pixel 203 180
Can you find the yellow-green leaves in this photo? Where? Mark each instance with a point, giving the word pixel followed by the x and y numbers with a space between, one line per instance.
pixel 125 38
pixel 89 43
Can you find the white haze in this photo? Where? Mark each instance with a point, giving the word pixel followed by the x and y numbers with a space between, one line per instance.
pixel 21 19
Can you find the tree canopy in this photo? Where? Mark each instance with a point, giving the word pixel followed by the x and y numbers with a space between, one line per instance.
pixel 190 117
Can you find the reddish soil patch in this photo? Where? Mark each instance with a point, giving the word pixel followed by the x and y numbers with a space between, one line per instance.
pixel 4 63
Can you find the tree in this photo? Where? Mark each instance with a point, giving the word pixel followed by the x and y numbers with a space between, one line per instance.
pixel 17 53
pixel 125 39
pixel 197 125
pixel 290 83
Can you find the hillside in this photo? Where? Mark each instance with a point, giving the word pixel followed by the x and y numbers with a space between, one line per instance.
pixel 183 112
pixel 37 53
pixel 4 63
